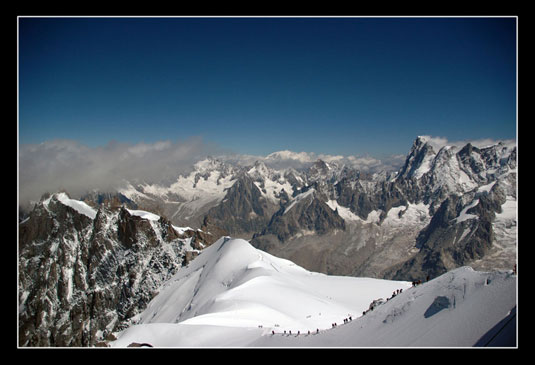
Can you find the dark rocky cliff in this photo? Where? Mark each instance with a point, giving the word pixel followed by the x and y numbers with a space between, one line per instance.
pixel 81 278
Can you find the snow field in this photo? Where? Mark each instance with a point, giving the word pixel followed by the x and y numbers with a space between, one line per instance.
pixel 233 295
pixel 454 310
pixel 233 285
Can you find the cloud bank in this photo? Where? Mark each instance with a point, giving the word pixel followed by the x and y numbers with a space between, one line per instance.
pixel 68 165
pixel 299 160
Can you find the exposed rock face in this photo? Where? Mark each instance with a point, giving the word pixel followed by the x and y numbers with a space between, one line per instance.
pixel 81 278
pixel 437 213
pixel 420 155
pixel 307 214
pixel 353 196
pixel 457 235
pixel 244 210
pixel 209 232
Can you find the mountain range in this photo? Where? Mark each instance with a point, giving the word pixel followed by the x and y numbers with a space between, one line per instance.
pixel 444 208
pixel 88 266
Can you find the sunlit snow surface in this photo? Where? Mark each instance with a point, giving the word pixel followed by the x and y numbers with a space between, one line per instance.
pixel 235 295
pixel 77 205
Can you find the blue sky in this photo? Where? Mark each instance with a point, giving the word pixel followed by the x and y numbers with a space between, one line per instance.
pixel 349 86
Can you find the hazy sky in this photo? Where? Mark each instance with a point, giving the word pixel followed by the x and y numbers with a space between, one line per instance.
pixel 348 86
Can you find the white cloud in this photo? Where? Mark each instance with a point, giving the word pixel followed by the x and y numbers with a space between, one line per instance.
pixel 303 157
pixel 65 164
pixel 299 160
pixel 438 142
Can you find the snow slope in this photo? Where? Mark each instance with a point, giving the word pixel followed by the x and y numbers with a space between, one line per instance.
pixel 457 309
pixel 233 285
pixel 235 295
pixel 144 214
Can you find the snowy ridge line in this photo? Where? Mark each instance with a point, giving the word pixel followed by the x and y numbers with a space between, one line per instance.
pixel 85 209
pixel 348 318
pixel 144 214
pixel 77 205
pixel 232 295
pixel 298 198
pixel 151 217
pixel 236 285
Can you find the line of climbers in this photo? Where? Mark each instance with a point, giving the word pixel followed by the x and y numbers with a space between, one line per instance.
pixel 373 304
pixel 333 325
pixel 380 301
pixel 419 282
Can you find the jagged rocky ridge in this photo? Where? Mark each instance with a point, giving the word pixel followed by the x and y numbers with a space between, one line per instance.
pixel 84 272
pixel 335 219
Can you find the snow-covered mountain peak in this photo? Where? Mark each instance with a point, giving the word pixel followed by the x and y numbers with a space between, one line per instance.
pixel 321 165
pixel 458 169
pixel 448 206
pixel 422 139
pixel 232 284
pixel 260 171
pixel 323 171
pixel 211 164
pixel 84 271
pixel 419 160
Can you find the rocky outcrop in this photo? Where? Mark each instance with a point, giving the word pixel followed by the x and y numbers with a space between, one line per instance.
pixel 437 213
pixel 309 214
pixel 418 160
pixel 209 232
pixel 459 233
pixel 81 278
pixel 244 210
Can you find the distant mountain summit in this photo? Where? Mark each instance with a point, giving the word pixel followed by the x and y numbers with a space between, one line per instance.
pixel 418 161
